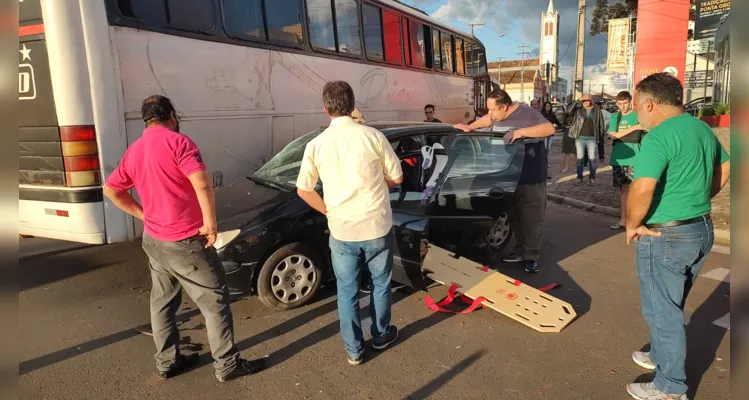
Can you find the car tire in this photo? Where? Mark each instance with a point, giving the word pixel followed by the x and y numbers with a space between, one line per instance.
pixel 290 277
pixel 499 236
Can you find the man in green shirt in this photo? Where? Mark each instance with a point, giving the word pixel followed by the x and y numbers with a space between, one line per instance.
pixel 680 167
pixel 626 147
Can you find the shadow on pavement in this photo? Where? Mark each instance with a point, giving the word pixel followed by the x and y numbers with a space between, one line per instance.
pixel 704 338
pixel 430 388
pixel 562 240
pixel 311 339
pixel 49 268
pixel 83 348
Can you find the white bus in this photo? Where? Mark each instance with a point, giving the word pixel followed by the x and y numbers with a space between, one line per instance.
pixel 245 76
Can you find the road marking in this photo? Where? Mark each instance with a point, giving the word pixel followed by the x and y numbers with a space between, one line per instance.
pixel 724 321
pixel 719 274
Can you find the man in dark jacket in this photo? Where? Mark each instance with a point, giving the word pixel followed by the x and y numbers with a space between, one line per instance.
pixel 588 129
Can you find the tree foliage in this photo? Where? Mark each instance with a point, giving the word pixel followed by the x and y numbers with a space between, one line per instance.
pixel 604 11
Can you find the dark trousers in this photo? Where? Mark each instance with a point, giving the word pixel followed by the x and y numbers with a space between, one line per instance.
pixel 527 219
pixel 188 264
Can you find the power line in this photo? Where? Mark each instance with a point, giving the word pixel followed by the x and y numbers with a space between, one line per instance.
pixel 599 34
pixel 572 39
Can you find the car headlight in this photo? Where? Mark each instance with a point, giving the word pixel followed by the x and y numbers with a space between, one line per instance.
pixel 224 238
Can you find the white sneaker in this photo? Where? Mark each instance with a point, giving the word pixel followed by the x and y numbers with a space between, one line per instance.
pixel 647 391
pixel 642 359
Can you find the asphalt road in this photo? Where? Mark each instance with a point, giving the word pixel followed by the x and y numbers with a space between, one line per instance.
pixel 78 311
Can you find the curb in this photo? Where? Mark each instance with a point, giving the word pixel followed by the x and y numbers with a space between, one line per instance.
pixel 721 234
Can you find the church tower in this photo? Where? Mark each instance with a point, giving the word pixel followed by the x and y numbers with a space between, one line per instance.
pixel 549 51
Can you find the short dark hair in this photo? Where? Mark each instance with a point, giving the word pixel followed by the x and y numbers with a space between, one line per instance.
pixel 338 98
pixel 501 97
pixel 157 109
pixel 624 95
pixel 663 88
pixel 429 106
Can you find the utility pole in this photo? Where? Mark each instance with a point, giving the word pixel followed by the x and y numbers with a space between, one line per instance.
pixel 580 51
pixel 602 86
pixel 472 25
pixel 499 74
pixel 522 71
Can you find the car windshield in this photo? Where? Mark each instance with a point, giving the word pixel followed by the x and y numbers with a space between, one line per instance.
pixel 282 170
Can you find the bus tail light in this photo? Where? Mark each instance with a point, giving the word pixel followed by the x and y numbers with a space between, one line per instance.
pixel 80 155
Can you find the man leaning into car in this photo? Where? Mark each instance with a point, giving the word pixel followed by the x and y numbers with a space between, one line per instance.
pixel 522 121
pixel 357 166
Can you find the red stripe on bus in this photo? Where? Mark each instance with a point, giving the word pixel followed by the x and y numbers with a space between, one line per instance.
pixel 30 30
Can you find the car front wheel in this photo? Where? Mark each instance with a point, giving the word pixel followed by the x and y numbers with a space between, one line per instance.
pixel 290 277
pixel 500 234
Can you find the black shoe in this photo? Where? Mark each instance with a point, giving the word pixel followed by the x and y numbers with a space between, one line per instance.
pixel 579 182
pixel 512 258
pixel 186 362
pixel 366 289
pixel 531 266
pixel 382 343
pixel 244 368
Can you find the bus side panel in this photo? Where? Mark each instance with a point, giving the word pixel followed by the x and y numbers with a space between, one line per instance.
pixel 84 222
pixel 228 95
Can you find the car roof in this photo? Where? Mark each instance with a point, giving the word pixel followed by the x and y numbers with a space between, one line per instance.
pixel 416 129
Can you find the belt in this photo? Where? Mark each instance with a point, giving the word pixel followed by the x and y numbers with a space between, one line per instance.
pixel 679 223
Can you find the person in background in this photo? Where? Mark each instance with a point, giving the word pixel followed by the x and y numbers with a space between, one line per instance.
pixel 588 128
pixel 621 125
pixel 179 229
pixel 680 168
pixel 527 220
pixel 429 114
pixel 548 112
pixel 534 105
pixel 357 166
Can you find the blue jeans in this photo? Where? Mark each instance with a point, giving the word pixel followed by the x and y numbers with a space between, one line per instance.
pixel 581 144
pixel 667 267
pixel 348 259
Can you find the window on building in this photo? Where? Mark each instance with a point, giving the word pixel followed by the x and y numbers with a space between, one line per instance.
pixel 372 22
pixel 347 24
pixel 243 19
pixel 460 66
pixel 392 31
pixel 188 15
pixel 446 46
pixel 322 33
pixel 418 35
pixel 436 50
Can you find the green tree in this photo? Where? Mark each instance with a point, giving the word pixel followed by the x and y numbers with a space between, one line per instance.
pixel 604 11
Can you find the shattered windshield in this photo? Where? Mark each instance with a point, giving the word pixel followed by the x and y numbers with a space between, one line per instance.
pixel 282 170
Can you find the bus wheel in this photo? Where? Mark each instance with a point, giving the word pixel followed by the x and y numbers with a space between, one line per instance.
pixel 290 277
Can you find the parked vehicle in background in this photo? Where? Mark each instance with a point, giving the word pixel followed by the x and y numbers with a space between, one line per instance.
pixel 693 106
pixel 245 77
pixel 272 243
pixel 561 112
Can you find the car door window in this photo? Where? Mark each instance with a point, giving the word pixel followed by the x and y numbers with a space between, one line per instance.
pixel 408 196
pixel 479 166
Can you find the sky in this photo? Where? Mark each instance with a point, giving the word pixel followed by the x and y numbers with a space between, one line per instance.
pixel 520 22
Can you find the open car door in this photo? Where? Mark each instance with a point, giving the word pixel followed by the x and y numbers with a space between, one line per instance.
pixel 463 179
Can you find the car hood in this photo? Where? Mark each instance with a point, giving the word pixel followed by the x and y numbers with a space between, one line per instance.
pixel 238 203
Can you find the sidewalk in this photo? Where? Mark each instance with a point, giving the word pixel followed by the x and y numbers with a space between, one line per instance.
pixel 604 193
pixel 34 247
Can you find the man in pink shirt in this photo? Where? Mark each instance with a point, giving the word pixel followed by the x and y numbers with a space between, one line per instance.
pixel 179 218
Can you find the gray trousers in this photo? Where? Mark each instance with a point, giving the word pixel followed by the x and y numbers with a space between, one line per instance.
pixel 188 264
pixel 527 220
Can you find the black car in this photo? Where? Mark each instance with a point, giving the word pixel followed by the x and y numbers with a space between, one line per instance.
pixel 274 244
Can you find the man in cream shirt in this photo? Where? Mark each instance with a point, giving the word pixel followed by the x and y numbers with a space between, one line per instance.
pixel 357 167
